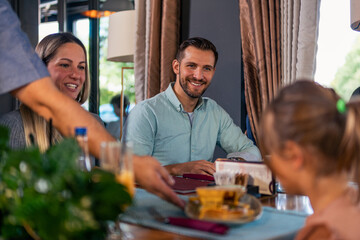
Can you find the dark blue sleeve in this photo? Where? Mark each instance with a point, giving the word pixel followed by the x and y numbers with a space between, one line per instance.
pixel 19 64
pixel 248 130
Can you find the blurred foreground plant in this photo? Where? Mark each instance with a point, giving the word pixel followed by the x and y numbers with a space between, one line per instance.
pixel 46 196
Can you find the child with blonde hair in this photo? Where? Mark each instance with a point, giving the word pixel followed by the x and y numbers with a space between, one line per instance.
pixel 313 139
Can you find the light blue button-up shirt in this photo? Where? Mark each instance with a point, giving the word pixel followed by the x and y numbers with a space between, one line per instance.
pixel 160 127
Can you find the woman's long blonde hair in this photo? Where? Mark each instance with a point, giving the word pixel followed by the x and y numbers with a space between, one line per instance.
pixel 36 128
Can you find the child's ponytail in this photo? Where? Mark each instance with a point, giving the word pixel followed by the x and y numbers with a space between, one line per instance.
pixel 350 144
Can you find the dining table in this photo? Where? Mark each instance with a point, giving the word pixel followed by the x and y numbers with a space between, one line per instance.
pixel 283 215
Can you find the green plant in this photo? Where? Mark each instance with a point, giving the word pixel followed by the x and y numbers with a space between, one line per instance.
pixel 347 76
pixel 46 196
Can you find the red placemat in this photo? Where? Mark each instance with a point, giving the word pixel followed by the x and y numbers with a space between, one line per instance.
pixel 198 176
pixel 188 185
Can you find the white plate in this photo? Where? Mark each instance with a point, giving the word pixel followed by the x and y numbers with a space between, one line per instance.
pixel 192 210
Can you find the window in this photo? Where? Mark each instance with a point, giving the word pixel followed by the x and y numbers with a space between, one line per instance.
pixel 338 56
pixel 47 28
pixel 110 77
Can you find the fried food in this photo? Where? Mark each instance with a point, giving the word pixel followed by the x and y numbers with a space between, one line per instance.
pixel 221 202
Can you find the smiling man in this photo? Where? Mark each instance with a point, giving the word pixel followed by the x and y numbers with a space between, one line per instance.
pixel 181 128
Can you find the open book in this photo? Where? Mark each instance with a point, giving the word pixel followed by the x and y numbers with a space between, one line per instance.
pixel 259 174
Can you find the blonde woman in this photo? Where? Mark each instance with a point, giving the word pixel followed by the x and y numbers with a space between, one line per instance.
pixel 66 60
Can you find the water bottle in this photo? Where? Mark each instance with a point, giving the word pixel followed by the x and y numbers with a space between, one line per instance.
pixel 82 139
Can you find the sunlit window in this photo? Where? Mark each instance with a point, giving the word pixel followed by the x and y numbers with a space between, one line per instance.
pixel 47 28
pixel 338 56
pixel 81 31
pixel 110 77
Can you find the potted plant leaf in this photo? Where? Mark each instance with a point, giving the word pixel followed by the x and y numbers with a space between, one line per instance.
pixel 45 195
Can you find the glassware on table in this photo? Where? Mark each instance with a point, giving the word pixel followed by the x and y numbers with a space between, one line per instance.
pixel 84 160
pixel 279 187
pixel 117 158
pixel 118 231
pixel 224 178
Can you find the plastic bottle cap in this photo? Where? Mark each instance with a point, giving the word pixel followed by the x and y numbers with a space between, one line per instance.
pixel 80 131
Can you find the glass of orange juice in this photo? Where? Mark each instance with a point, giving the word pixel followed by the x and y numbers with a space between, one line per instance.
pixel 117 158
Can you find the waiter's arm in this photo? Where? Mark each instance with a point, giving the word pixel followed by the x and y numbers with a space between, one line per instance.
pixel 44 98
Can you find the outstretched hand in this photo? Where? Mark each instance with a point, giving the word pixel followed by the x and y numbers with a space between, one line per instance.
pixel 151 176
pixel 197 167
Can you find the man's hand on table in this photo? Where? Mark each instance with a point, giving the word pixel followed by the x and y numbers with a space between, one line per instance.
pixel 155 179
pixel 196 167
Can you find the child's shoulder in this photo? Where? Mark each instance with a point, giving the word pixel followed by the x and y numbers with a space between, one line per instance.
pixel 340 219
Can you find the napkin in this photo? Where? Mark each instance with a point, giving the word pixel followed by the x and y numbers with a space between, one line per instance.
pixel 198 176
pixel 189 223
pixel 198 225
pixel 188 185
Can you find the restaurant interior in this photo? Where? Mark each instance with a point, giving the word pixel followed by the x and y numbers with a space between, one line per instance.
pixel 263 46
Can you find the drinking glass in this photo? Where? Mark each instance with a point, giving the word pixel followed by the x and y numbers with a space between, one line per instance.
pixel 117 158
pixel 279 187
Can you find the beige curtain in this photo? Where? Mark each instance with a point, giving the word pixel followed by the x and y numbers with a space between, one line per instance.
pixel 260 40
pixel 157 40
pixel 300 23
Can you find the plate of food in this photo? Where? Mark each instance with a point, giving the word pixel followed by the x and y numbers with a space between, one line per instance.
pixel 223 204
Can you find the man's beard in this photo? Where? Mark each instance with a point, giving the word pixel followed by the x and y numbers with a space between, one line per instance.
pixel 184 86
